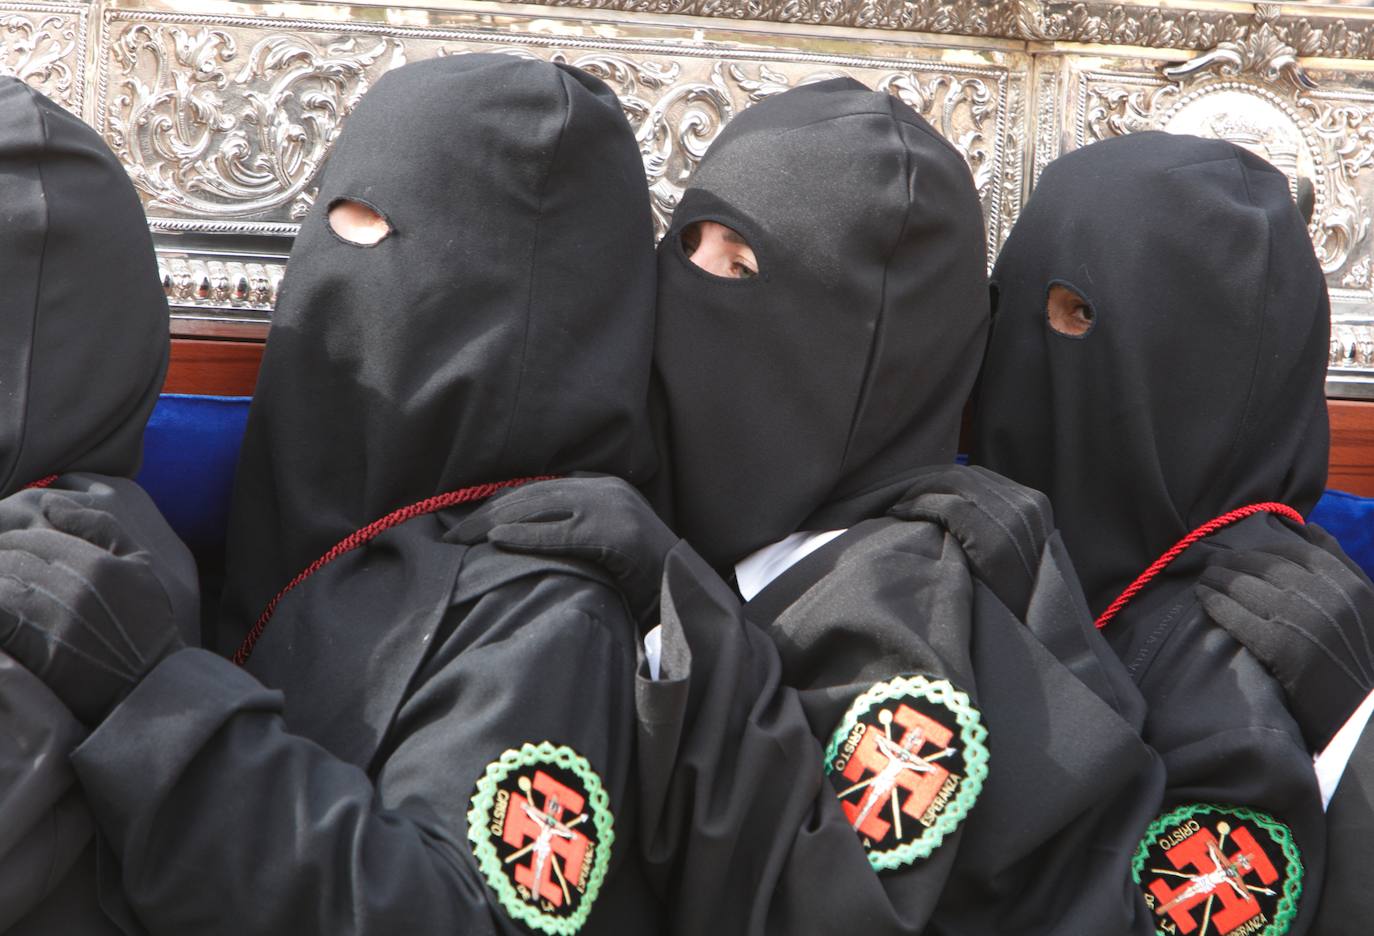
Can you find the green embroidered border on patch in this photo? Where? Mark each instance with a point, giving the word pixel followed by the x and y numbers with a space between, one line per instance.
pixel 971 731
pixel 1287 907
pixel 598 803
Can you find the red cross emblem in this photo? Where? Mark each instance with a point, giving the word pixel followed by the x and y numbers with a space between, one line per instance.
pixel 1213 882
pixel 553 860
pixel 886 765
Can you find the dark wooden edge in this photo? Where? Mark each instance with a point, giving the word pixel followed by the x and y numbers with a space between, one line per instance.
pixel 207 367
pixel 230 368
pixel 1352 446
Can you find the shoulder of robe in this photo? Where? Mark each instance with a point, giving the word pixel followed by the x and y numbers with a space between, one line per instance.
pixel 487 568
pixel 1002 526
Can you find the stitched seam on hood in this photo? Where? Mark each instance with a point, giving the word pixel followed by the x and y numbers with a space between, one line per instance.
pixel 881 320
pixel 534 256
pixel 38 288
pixel 1247 412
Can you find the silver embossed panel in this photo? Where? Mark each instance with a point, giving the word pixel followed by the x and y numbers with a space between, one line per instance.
pixel 223 112
pixel 224 121
pixel 45 44
pixel 1311 123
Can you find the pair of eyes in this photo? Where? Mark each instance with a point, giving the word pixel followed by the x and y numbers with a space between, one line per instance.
pixel 713 247
pixel 723 251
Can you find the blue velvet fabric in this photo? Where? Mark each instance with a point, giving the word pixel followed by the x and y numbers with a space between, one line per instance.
pixel 190 452
pixel 1351 520
pixel 192 447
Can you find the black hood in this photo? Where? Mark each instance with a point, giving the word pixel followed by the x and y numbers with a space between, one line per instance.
pixel 503 329
pixel 1199 387
pixel 83 319
pixel 802 398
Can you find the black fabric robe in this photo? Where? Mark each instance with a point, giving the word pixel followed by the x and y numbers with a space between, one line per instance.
pixel 420 715
pixel 812 397
pixel 80 369
pixel 341 804
pixel 744 709
pixel 1197 390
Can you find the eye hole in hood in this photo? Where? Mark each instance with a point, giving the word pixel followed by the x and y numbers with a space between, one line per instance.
pixel 358 223
pixel 1067 312
pixel 719 249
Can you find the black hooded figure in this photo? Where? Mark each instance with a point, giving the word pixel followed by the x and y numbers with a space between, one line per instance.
pixel 1192 390
pixel 974 763
pixel 83 351
pixel 428 736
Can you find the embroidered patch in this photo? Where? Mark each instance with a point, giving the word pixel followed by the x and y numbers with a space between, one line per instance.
pixel 908 760
pixel 1210 870
pixel 541 828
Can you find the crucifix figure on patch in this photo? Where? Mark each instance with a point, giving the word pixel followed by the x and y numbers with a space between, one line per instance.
pixel 1211 876
pixel 556 849
pixel 896 766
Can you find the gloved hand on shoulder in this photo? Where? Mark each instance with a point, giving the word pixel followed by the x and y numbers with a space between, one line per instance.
pixel 1307 616
pixel 602 520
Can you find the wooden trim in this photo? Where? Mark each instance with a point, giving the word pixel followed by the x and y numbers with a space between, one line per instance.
pixel 213 368
pixel 1352 446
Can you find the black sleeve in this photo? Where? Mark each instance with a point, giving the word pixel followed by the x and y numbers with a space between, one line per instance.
pixel 225 821
pixel 742 830
pixel 734 757
pixel 1219 721
pixel 44 825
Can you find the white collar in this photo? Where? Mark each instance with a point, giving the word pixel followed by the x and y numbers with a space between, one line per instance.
pixel 1330 763
pixel 756 570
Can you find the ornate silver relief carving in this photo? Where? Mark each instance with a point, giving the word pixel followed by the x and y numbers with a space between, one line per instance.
pixel 213 133
pixel 1254 93
pixel 44 45
pixel 1046 121
pixel 963 17
pixel 678 107
pixel 211 284
pixel 1352 345
pixel 1138 24
pixel 224 122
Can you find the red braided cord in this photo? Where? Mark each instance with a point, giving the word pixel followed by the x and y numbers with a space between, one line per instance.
pixel 1207 529
pixel 368 533
pixel 42 482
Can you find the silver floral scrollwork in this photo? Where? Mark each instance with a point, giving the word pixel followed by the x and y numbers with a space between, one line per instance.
pixel 206 132
pixel 44 46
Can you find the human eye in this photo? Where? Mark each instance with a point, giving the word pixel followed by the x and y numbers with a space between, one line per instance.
pixel 1067 312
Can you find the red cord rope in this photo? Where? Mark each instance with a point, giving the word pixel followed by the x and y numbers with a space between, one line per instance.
pixel 370 532
pixel 42 482
pixel 1207 529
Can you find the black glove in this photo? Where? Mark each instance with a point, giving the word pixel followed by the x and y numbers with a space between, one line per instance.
pixel 1001 525
pixel 79 604
pixel 1307 617
pixel 602 520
